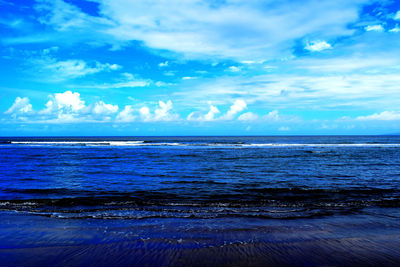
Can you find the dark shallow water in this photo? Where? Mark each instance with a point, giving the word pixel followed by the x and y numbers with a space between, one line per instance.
pixel 205 192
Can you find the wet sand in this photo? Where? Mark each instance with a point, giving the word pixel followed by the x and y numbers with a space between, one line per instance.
pixel 340 252
pixel 31 240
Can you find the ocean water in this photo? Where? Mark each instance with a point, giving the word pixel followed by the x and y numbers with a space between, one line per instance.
pixel 210 190
pixel 199 177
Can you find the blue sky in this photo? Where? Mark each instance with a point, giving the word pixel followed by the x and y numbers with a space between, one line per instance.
pixel 123 67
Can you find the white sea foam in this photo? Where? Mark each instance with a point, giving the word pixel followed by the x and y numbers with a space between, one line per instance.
pixel 124 143
pixel 88 143
pixel 322 145
pixel 210 145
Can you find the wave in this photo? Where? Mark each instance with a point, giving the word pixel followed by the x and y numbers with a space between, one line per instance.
pixel 130 210
pixel 188 144
pixel 82 143
pixel 282 197
pixel 260 203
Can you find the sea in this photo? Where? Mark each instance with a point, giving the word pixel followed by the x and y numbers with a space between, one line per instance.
pixel 172 201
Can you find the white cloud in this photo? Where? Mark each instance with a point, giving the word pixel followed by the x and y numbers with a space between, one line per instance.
pixel 126 115
pixel 188 78
pixel 195 116
pixel 65 107
pixel 66 102
pixel 234 69
pixel 163 64
pixel 248 116
pixel 383 116
pixel 76 68
pixel 337 88
pixel 162 84
pixel 269 67
pixel 68 107
pixel 210 116
pixel 59 70
pixel 21 106
pixel 128 76
pixel 237 107
pixel 128 80
pixel 316 46
pixel 61 15
pixel 112 66
pixel 145 114
pixel 235 29
pixel 272 116
pixel 346 64
pixel 125 84
pixel 163 112
pixel 284 128
pixel 102 108
pixel 397 15
pixel 244 30
pixel 377 28
pixel 252 62
pixel 395 29
pixel 169 73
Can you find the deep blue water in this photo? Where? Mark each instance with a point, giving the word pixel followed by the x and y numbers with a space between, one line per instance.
pixel 199 177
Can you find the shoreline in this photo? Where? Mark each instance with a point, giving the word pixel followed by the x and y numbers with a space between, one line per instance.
pixel 28 240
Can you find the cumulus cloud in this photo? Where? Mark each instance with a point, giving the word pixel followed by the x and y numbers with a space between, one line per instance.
pixel 20 106
pixel 210 116
pixel 126 115
pixel 163 64
pixel 272 116
pixel 316 46
pixel 102 108
pixel 248 116
pixel 376 28
pixel 163 112
pixel 69 107
pixel 237 107
pixel 64 107
pixel 383 116
pixel 211 113
pixel 145 114
pixel 397 15
pixel 64 103
pixel 61 107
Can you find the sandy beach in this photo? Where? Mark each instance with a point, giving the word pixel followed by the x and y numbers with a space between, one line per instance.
pixel 31 240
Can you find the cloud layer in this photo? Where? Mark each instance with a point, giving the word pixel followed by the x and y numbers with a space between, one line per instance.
pixel 69 107
pixel 281 65
pixel 230 29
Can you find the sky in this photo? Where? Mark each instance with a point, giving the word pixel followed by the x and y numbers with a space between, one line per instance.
pixel 201 67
